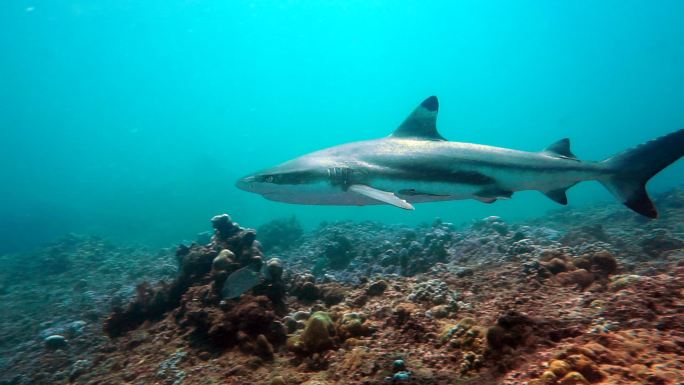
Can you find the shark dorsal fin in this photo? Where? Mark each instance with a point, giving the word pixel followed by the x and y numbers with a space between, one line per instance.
pixel 560 148
pixel 422 123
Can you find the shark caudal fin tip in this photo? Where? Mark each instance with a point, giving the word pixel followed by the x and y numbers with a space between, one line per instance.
pixel 430 104
pixel 642 204
pixel 633 168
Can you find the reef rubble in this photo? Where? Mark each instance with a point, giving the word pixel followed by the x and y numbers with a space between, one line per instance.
pixel 581 296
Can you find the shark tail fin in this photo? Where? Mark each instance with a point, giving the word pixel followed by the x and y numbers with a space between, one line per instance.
pixel 633 168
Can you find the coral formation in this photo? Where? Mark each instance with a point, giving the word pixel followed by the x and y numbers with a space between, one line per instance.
pixel 589 296
pixel 279 234
pixel 316 336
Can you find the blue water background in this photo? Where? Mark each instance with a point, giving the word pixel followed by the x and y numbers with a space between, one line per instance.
pixel 132 119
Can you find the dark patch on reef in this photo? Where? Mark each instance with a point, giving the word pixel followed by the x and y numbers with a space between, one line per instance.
pixel 279 234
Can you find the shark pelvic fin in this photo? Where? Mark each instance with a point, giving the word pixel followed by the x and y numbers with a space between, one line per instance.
pixel 560 149
pixel 381 196
pixel 422 123
pixel 557 196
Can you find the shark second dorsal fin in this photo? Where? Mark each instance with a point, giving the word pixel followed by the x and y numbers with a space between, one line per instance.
pixel 561 149
pixel 422 123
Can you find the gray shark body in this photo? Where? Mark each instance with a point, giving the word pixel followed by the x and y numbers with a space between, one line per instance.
pixel 416 164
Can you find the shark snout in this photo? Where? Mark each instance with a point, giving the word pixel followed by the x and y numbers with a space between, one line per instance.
pixel 246 183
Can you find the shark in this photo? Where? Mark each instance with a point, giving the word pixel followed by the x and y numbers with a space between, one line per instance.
pixel 416 164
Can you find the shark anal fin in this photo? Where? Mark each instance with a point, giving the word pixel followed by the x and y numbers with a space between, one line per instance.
pixel 381 196
pixel 558 195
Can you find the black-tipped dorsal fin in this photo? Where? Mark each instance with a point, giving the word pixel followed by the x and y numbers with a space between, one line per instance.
pixel 561 149
pixel 422 123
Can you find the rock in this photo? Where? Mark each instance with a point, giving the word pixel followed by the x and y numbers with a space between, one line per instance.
pixel 402 313
pixel 301 315
pixel 303 286
pixel 264 349
pixel 376 288
pixel 316 337
pixel 401 376
pixel 290 323
pixel 559 367
pixel 556 265
pixel 580 277
pixel 357 301
pixel 604 263
pixel 55 342
pixel 222 224
pixel 463 272
pixel 317 333
pixel 274 269
pixel 573 378
pixel 435 292
pixel 278 333
pixel 352 325
pixel 223 260
pixel 439 311
pixel 548 378
pixel 622 281
pixel 129 375
pixel 79 368
pixel 511 329
pixel 332 293
pixel 467 336
pixel 398 365
pixel 585 367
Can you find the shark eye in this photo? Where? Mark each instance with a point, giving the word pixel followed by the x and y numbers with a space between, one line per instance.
pixel 268 179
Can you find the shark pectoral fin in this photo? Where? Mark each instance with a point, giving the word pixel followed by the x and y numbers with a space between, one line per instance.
pixel 485 200
pixel 382 196
pixel 557 196
pixel 494 192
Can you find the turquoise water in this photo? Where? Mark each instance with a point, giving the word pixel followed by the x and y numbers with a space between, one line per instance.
pixel 133 119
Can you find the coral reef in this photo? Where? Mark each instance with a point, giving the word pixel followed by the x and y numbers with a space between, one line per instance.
pixel 591 296
pixel 280 234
